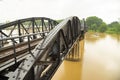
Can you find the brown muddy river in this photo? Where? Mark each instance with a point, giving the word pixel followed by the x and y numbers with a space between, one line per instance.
pixel 100 60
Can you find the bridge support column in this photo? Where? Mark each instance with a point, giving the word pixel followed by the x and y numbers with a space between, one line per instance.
pixel 74 53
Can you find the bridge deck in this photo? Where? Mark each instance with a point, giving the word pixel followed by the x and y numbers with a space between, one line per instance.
pixel 7 53
pixel 45 58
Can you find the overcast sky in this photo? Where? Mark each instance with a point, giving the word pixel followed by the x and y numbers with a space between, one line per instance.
pixel 108 10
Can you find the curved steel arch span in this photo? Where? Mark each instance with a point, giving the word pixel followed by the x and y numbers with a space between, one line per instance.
pixel 27 26
pixel 46 57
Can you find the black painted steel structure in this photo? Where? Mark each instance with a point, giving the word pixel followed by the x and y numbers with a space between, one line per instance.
pixel 18 33
pixel 26 26
pixel 44 60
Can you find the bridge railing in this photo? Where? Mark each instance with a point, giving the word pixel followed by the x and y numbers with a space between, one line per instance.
pixel 48 54
pixel 56 44
pixel 25 26
pixel 28 37
pixel 19 33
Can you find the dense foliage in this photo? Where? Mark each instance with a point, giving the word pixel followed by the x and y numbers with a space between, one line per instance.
pixel 114 27
pixel 96 24
pixel 59 20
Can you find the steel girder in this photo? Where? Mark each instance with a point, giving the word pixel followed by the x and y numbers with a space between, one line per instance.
pixel 48 54
pixel 20 32
pixel 26 26
pixel 45 59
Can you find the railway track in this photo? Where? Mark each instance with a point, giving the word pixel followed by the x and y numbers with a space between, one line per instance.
pixel 7 54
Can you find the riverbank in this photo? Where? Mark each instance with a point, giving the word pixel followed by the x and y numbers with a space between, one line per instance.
pixel 107 32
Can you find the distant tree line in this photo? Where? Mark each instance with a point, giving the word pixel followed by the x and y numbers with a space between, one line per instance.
pixel 59 20
pixel 98 25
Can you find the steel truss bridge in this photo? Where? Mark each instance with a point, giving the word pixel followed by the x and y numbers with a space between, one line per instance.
pixel 34 48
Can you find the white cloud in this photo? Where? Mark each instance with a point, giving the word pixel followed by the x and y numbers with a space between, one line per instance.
pixel 108 10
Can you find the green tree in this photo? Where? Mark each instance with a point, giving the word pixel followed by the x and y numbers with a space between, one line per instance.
pixel 114 27
pixel 113 24
pixel 94 27
pixel 117 29
pixel 93 22
pixel 103 27
pixel 59 20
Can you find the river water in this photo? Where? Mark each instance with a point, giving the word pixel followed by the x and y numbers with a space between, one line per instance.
pixel 100 60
